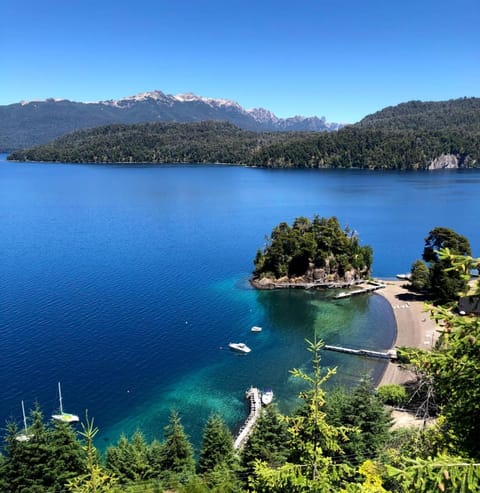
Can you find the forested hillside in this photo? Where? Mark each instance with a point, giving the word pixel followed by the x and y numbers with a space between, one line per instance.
pixel 454 114
pixel 409 136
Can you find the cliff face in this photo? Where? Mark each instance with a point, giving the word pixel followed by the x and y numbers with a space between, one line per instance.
pixel 445 161
pixel 450 161
pixel 328 275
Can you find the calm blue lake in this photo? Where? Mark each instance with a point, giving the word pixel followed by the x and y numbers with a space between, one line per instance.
pixel 127 283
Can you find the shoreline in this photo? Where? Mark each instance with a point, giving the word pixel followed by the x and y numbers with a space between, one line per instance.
pixel 414 327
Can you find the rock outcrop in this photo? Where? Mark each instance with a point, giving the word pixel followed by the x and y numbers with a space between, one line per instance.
pixel 315 276
pixel 445 161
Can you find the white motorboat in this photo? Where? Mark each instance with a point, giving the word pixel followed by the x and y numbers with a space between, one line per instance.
pixel 267 397
pixel 256 328
pixel 239 346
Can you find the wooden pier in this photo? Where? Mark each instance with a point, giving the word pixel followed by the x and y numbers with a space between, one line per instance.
pixel 253 395
pixel 365 289
pixel 316 285
pixel 391 354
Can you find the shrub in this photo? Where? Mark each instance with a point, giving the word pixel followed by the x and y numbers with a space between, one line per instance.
pixel 394 395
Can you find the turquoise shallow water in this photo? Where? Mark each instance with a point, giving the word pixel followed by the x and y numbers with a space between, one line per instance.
pixel 126 284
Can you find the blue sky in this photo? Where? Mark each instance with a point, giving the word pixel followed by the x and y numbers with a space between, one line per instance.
pixel 342 59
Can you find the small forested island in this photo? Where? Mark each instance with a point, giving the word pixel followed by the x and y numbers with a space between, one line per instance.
pixel 311 252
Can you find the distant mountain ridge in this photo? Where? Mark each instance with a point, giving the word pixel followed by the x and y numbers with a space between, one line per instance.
pixel 30 123
pixel 413 135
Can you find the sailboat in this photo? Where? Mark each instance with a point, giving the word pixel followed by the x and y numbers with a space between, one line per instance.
pixel 23 437
pixel 64 417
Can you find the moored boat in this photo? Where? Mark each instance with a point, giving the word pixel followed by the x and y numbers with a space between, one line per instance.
pixel 239 346
pixel 62 416
pixel 267 397
pixel 256 328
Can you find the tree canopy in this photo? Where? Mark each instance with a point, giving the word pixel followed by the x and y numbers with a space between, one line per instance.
pixel 439 280
pixel 317 250
pixel 366 147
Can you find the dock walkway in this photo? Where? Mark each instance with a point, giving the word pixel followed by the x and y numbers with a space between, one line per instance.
pixel 253 395
pixel 366 289
pixel 316 285
pixel 391 354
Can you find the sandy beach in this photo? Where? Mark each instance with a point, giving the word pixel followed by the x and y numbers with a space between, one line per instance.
pixel 415 328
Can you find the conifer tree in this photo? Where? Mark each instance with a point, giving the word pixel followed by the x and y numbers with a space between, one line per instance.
pixel 313 442
pixel 94 479
pixel 129 460
pixel 217 446
pixel 269 441
pixel 177 452
pixel 363 410
pixel 46 461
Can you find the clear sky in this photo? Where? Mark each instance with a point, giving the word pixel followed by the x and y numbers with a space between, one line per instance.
pixel 342 59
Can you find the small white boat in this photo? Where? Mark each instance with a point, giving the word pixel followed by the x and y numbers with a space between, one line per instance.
pixel 64 417
pixel 256 328
pixel 267 397
pixel 239 346
pixel 404 277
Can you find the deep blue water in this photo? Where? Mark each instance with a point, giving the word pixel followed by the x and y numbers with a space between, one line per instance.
pixel 127 283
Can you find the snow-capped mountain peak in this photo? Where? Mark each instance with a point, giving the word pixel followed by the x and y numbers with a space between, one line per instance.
pixel 137 98
pixel 215 102
pixel 262 115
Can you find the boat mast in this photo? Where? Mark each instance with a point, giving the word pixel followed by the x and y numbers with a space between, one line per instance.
pixel 24 418
pixel 60 398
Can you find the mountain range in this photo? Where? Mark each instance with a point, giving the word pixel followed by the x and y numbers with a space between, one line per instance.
pixel 30 123
pixel 414 135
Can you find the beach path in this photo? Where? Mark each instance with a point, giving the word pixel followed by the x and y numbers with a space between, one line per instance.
pixel 415 328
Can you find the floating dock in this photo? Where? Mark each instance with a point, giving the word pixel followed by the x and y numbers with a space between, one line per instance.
pixel 253 395
pixel 373 286
pixel 391 354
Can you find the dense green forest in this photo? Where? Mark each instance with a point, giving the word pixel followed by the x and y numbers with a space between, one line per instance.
pixel 407 136
pixel 460 114
pixel 315 251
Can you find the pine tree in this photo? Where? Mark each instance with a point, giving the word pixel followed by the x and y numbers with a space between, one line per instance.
pixel 217 446
pixel 46 461
pixel 313 442
pixel 177 452
pixel 269 441
pixel 95 479
pixel 362 410
pixel 129 460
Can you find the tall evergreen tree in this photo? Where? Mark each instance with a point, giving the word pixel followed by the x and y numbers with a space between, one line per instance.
pixel 129 460
pixel 177 455
pixel 94 479
pixel 217 446
pixel 362 410
pixel 269 441
pixel 314 441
